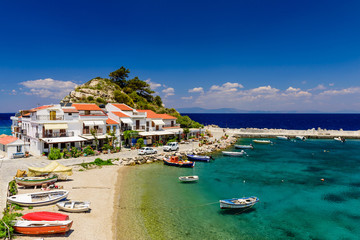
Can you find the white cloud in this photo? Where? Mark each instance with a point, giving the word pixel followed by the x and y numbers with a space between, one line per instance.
pixel 169 91
pixel 153 85
pixel 196 89
pixel 318 87
pixel 187 98
pixel 226 87
pixel 291 89
pixel 344 91
pixel 48 88
pixel 331 84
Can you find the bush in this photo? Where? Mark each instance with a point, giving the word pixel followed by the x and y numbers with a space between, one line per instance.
pixel 88 151
pixel 90 98
pixel 54 154
pixel 13 187
pixel 140 142
pixel 100 100
pixel 75 153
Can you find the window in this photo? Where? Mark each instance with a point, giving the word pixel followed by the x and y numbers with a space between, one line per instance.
pixel 70 114
pixel 87 112
pixel 18 148
pixel 52 115
pixel 4 148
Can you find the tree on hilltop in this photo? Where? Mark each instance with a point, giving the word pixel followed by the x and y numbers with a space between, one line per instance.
pixel 119 76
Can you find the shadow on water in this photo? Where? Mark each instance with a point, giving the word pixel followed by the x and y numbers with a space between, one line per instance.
pixel 236 211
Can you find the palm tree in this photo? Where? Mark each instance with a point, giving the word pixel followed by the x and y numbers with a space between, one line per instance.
pixel 186 132
pixel 94 133
pixel 129 134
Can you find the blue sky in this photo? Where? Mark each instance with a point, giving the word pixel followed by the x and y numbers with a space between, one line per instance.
pixel 251 55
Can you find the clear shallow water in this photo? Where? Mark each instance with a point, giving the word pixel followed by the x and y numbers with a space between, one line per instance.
pixel 5 123
pixel 286 176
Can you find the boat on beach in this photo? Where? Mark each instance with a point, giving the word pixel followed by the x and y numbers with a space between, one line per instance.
pixel 39 198
pixel 262 141
pixel 282 137
pixel 198 158
pixel 45 216
pixel 174 161
pixel 35 181
pixel 244 146
pixel 232 203
pixel 74 206
pixel 189 178
pixel 339 139
pixel 302 138
pixel 234 154
pixel 42 227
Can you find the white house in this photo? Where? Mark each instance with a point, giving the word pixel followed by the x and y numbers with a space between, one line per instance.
pixel 11 147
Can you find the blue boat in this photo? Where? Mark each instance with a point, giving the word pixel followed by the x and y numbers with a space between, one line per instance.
pixel 198 158
pixel 175 162
pixel 245 202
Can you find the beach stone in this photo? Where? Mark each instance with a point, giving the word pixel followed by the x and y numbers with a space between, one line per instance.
pixel 149 161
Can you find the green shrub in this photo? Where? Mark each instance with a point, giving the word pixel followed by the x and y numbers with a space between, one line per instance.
pixel 75 153
pixel 140 142
pixel 90 98
pixel 13 187
pixel 88 151
pixel 100 100
pixel 54 154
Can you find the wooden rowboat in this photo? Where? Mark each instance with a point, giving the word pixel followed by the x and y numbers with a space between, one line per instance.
pixel 39 198
pixel 42 227
pixel 189 178
pixel 35 181
pixel 198 158
pixel 174 161
pixel 262 141
pixel 74 206
pixel 45 216
pixel 234 154
pixel 245 202
pixel 244 146
pixel 282 137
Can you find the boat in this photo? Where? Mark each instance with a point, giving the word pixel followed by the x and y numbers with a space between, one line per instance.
pixel 74 206
pixel 301 138
pixel 35 181
pixel 340 139
pixel 39 198
pixel 245 202
pixel 189 178
pixel 45 216
pixel 262 141
pixel 174 161
pixel 235 154
pixel 198 158
pixel 244 146
pixel 282 137
pixel 42 227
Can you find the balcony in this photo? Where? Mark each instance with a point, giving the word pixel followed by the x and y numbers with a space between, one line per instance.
pixel 23 131
pixel 139 128
pixel 172 126
pixel 56 134
pixel 123 129
pixel 48 118
pixel 88 131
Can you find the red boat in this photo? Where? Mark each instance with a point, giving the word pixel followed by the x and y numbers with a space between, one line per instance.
pixel 174 161
pixel 42 227
pixel 45 216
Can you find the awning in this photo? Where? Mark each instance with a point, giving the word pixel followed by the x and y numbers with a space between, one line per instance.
pixel 89 123
pixel 126 120
pixel 164 133
pixel 175 130
pixel 97 123
pixel 147 133
pixel 88 137
pixel 63 139
pixel 158 122
pixel 55 126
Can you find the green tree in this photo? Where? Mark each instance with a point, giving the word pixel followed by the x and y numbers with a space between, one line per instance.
pixel 94 134
pixel 186 133
pixel 142 88
pixel 121 97
pixel 158 101
pixel 129 134
pixel 119 76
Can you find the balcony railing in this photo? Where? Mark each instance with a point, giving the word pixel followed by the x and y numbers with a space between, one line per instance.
pixel 23 131
pixel 57 134
pixel 174 125
pixel 47 117
pixel 139 128
pixel 88 131
pixel 125 129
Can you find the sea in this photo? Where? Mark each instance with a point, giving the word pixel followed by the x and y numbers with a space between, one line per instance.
pixel 5 123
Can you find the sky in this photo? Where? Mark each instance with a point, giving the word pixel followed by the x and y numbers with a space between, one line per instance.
pixel 276 56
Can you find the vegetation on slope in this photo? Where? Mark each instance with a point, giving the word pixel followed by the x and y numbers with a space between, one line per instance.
pixel 119 88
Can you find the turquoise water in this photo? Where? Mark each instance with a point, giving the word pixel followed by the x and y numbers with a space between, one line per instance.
pixel 286 176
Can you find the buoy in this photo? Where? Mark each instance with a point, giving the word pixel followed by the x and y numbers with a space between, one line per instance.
pixel 322 179
pixel 244 181
pixel 282 180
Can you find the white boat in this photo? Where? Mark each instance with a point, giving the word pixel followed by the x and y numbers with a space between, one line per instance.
pixel 245 202
pixel 39 198
pixel 35 181
pixel 282 137
pixel 262 141
pixel 189 178
pixel 339 139
pixel 74 206
pixel 234 154
pixel 302 138
pixel 244 146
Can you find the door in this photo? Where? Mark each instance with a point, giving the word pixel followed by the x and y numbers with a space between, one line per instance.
pixel 52 115
pixel 137 124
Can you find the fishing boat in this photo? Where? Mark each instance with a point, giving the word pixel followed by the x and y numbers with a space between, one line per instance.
pixel 245 202
pixel 39 198
pixel 189 178
pixel 198 158
pixel 302 138
pixel 262 141
pixel 244 146
pixel 45 216
pixel 282 137
pixel 42 227
pixel 339 139
pixel 174 161
pixel 35 181
pixel 74 206
pixel 234 154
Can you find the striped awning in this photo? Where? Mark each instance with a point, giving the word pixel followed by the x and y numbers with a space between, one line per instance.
pixel 158 122
pixel 52 126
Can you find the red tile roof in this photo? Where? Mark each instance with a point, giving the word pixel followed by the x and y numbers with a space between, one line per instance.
pixel 27 114
pixel 122 107
pixel 70 110
pixel 167 116
pixel 149 113
pixel 8 139
pixel 40 108
pixel 120 114
pixel 86 106
pixel 110 121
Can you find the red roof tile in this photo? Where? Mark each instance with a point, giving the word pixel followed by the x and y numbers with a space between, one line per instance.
pixel 122 107
pixel 120 114
pixel 167 116
pixel 86 106
pixel 110 121
pixel 40 108
pixel 8 139
pixel 149 113
pixel 70 110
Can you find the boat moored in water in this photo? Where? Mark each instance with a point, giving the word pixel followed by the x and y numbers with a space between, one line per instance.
pixel 339 139
pixel 282 137
pixel 232 203
pixel 189 178
pixel 198 158
pixel 39 198
pixel 234 154
pixel 42 227
pixel 302 138
pixel 174 161
pixel 262 141
pixel 244 146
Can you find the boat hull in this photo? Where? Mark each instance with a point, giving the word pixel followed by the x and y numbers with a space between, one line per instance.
pixel 40 230
pixel 34 182
pixel 45 216
pixel 189 179
pixel 244 146
pixel 63 206
pixel 198 158
pixel 27 202
pixel 229 203
pixel 262 141
pixel 177 164
pixel 233 154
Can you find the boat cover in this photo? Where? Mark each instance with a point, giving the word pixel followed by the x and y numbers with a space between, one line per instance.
pixel 53 167
pixel 45 216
